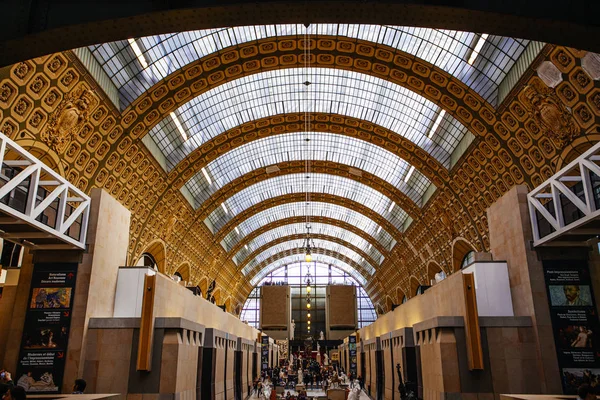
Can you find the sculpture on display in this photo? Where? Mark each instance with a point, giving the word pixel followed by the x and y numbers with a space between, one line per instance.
pixel 321 336
pixel 300 376
pixel 326 359
pixel 292 329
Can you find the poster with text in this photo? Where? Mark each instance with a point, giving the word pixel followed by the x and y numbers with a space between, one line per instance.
pixel 47 326
pixel 264 351
pixel 574 321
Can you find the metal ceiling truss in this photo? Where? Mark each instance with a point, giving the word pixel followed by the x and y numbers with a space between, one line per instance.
pixel 564 210
pixel 38 207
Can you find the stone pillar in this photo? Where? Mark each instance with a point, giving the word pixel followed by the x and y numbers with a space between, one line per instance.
pixel 510 240
pixel 15 307
pixel 107 241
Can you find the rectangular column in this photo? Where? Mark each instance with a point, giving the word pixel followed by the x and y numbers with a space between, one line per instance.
pixel 510 240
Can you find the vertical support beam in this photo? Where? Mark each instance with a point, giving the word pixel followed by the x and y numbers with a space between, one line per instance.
pixel 144 356
pixel 474 349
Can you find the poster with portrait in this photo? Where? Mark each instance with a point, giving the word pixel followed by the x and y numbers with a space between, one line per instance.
pixel 574 321
pixel 47 326
pixel 352 354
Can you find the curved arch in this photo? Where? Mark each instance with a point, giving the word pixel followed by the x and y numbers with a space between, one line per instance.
pixel 203 284
pixel 372 99
pixel 291 171
pixel 400 295
pixel 297 245
pixel 575 149
pixel 302 236
pixel 316 253
pixel 396 66
pixel 185 271
pixel 44 153
pixel 283 124
pixel 158 249
pixel 270 155
pixel 414 285
pixel 86 26
pixel 329 231
pixel 319 183
pixel 334 207
pixel 389 302
pixel 217 295
pixel 432 268
pixel 227 304
pixel 302 220
pixel 460 248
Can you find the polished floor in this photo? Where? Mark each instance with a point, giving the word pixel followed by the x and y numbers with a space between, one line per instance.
pixel 312 394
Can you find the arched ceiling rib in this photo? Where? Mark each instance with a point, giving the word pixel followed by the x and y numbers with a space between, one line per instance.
pixel 297 245
pixel 448 50
pixel 361 177
pixel 314 146
pixel 351 93
pixel 306 183
pixel 284 124
pixel 328 213
pixel 319 255
pixel 331 232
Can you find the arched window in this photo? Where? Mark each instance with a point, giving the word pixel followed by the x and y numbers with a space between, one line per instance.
pixel 420 290
pixel 404 299
pixel 468 259
pixel 147 260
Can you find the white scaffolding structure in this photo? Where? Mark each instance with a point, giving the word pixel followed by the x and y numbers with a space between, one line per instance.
pixel 38 207
pixel 571 188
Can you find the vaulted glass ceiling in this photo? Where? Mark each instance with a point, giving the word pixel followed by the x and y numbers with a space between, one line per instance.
pixel 302 183
pixel 336 91
pixel 341 149
pixel 334 211
pixel 448 50
pixel 300 229
pixel 299 258
pixel 298 244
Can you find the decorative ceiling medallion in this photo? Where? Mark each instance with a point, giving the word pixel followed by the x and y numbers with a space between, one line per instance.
pixel 554 119
pixel 69 117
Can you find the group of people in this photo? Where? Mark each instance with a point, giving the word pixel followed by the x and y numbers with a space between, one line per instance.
pixel 308 373
pixel 11 391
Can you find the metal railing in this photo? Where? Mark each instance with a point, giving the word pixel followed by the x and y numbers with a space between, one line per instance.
pixel 565 205
pixel 33 194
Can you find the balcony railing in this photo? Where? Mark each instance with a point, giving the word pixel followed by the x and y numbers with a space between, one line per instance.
pixel 38 207
pixel 564 210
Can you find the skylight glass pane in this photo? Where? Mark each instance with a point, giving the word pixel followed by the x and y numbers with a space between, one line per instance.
pixel 300 229
pixel 365 224
pixel 283 91
pixel 298 243
pixel 299 183
pixel 299 259
pixel 448 50
pixel 276 149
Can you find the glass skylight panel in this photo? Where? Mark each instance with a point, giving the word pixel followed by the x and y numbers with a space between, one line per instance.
pixel 299 183
pixel 448 50
pixel 276 149
pixel 300 229
pixel 329 210
pixel 299 258
pixel 299 243
pixel 335 91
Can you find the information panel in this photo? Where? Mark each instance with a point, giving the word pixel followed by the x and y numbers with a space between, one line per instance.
pixel 574 321
pixel 352 355
pixel 47 325
pixel 264 353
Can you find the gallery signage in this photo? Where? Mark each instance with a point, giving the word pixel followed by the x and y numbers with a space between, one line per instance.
pixel 264 353
pixel 352 355
pixel 574 321
pixel 47 326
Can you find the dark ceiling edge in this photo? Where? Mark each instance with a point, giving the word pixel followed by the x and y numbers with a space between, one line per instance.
pixel 54 31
